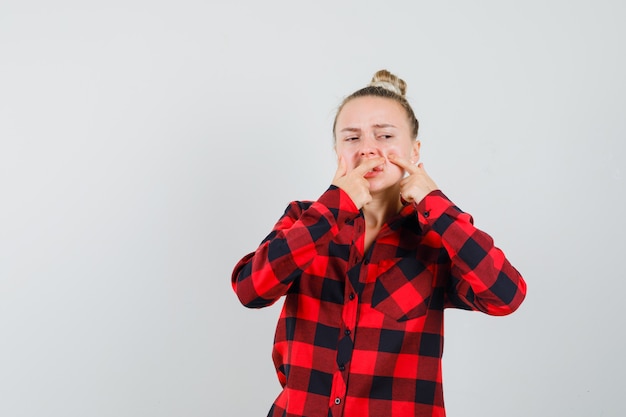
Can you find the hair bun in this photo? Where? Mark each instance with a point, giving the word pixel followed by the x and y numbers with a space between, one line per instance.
pixel 389 81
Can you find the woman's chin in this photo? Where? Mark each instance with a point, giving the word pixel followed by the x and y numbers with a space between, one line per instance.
pixel 384 189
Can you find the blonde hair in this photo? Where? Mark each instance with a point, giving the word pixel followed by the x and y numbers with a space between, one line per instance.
pixel 387 85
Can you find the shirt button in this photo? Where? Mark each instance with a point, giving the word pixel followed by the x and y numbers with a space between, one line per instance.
pixel 427 213
pixel 351 296
pixel 342 367
pixel 337 400
pixel 347 332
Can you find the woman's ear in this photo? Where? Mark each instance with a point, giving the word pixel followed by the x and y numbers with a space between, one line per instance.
pixel 415 152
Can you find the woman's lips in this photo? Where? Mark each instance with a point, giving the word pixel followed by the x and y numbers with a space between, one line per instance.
pixel 374 171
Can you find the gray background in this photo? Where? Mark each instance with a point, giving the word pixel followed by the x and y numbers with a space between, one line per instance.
pixel 146 146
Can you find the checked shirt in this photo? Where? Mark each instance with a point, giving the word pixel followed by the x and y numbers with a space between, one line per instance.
pixel 361 334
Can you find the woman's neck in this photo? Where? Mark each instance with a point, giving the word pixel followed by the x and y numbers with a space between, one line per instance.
pixel 383 206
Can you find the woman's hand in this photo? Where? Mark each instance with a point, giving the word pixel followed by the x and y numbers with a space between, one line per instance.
pixel 353 182
pixel 417 184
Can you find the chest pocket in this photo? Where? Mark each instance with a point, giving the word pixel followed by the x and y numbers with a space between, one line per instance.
pixel 403 288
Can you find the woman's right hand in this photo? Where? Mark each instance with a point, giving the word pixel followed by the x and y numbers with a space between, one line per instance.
pixel 353 182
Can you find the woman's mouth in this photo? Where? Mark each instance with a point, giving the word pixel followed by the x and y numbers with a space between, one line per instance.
pixel 375 171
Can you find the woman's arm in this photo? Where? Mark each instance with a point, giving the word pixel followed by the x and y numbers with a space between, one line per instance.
pixel 481 276
pixel 263 276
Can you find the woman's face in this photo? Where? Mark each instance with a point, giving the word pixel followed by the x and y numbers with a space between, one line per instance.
pixel 370 127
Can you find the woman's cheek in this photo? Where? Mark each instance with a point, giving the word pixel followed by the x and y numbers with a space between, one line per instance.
pixel 390 165
pixel 349 159
pixel 393 151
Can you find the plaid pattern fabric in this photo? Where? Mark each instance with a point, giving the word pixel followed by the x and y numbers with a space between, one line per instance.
pixel 361 334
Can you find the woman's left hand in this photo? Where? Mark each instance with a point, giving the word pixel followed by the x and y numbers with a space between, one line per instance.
pixel 417 184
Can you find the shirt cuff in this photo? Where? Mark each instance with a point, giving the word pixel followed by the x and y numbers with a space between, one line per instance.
pixel 432 207
pixel 339 204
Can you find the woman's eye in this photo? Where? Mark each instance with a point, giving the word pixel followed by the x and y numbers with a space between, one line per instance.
pixel 386 136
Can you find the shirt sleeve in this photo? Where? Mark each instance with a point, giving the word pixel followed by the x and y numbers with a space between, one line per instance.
pixel 481 277
pixel 260 278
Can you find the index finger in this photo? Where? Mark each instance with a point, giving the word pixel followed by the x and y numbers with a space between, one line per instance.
pixel 369 165
pixel 403 163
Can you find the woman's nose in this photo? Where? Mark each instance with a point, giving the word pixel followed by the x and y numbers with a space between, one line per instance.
pixel 369 148
pixel 368 152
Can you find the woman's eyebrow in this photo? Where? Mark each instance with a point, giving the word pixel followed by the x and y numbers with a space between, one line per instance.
pixel 375 126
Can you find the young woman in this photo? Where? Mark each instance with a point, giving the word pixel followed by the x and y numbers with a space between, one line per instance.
pixel 367 270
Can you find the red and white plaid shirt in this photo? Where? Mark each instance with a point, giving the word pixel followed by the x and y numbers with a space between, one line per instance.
pixel 361 334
